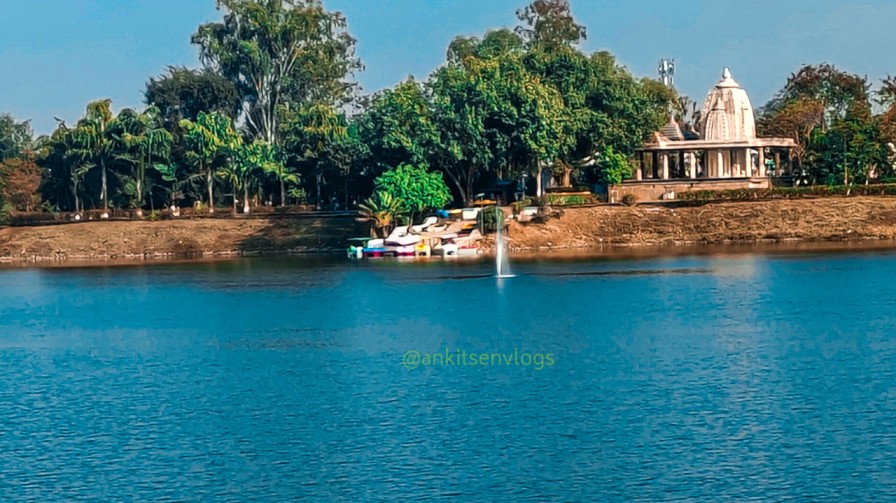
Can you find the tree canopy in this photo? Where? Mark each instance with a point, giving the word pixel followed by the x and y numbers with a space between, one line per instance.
pixel 274 116
pixel 15 137
pixel 183 94
pixel 416 188
pixel 277 52
pixel 828 113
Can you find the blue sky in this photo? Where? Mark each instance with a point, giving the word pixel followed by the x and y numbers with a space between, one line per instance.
pixel 56 55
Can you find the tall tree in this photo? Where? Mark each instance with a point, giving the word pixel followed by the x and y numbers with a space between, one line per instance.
pixel 319 142
pixel 397 126
pixel 247 164
pixel 795 118
pixel 496 118
pixel 606 108
pixel 93 142
pixel 550 22
pixel 886 97
pixel 63 166
pixel 276 51
pixel 827 111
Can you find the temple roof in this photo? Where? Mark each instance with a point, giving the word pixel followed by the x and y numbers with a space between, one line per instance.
pixel 727 112
pixel 726 121
pixel 673 131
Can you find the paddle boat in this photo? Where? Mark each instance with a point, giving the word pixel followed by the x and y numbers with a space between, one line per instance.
pixel 430 238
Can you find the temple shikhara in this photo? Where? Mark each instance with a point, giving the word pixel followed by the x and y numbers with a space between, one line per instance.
pixel 723 153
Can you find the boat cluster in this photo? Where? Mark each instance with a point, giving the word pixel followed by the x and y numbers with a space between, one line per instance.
pixel 433 237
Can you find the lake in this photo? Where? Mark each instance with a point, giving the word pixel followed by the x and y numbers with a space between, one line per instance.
pixel 724 377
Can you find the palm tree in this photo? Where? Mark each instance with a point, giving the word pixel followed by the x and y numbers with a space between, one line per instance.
pixel 93 145
pixel 208 139
pixel 382 209
pixel 147 142
pixel 58 154
pixel 247 163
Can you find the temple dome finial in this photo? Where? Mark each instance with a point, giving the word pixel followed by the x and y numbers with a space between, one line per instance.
pixel 727 112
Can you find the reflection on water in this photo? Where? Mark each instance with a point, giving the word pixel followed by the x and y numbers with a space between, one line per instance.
pixel 697 377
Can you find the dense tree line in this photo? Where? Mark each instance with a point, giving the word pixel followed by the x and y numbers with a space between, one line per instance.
pixel 266 120
pixel 274 118
pixel 845 133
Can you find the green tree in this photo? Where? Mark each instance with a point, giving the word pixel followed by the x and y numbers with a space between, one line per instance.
pixel 64 168
pixel 16 138
pixel 795 118
pixel 94 145
pixel 144 142
pixel 182 94
pixel 248 163
pixel 210 140
pixel 417 189
pixel 604 105
pixel 397 127
pixel 824 109
pixel 550 22
pixel 318 139
pixel 496 119
pixel 614 167
pixel 381 209
pixel 278 51
pixel 886 98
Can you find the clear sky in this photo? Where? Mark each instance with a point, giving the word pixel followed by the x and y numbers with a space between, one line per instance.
pixel 56 55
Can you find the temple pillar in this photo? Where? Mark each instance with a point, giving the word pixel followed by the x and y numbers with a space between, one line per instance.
pixel 692 165
pixel 639 171
pixel 681 167
pixel 665 157
pixel 761 159
pixel 720 164
pixel 779 170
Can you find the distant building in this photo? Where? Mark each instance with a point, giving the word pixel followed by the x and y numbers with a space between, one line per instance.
pixel 723 154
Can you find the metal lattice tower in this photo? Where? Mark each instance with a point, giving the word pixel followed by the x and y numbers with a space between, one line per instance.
pixel 666 70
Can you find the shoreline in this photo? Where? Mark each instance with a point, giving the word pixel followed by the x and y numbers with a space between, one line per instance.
pixel 855 223
pixel 621 252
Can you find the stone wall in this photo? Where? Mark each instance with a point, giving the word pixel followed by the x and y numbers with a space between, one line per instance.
pixel 664 190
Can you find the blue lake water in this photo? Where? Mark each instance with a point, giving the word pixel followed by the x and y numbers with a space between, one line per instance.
pixel 724 378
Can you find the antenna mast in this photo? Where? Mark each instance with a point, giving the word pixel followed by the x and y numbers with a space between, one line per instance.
pixel 666 70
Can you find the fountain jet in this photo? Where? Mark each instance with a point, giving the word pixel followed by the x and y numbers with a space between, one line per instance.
pixel 502 262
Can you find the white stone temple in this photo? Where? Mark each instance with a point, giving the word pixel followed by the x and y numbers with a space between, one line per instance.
pixel 724 153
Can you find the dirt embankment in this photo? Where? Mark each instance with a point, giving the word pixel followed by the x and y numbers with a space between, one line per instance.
pixel 827 219
pixel 172 239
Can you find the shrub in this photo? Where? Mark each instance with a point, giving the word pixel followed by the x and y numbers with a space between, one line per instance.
pixel 629 199
pixel 567 199
pixel 707 196
pixel 490 218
